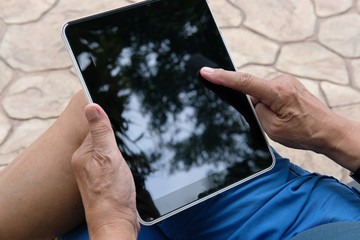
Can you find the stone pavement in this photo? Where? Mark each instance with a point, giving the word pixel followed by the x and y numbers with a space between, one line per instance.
pixel 318 41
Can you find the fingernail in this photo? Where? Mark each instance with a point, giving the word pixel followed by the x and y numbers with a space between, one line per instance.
pixel 92 113
pixel 208 70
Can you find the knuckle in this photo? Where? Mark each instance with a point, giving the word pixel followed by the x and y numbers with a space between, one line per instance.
pixel 284 87
pixel 101 128
pixel 104 158
pixel 245 79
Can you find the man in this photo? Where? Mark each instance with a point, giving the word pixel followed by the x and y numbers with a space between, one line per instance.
pixel 277 205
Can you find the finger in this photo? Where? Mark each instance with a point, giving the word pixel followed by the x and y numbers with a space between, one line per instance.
pixel 254 100
pixel 243 82
pixel 101 133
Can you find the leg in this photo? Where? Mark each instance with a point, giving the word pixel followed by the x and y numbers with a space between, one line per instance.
pixel 39 198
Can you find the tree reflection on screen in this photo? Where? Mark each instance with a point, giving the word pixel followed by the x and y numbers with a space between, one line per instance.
pixel 156 71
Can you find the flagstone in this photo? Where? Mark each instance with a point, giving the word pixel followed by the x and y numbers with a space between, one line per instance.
pixel 337 34
pixel 2 28
pixel 352 112
pixel 31 10
pixel 226 15
pixel 314 88
pixel 6 158
pixel 311 60
pixel 355 65
pixel 42 95
pixel 339 95
pixel 5 127
pixel 6 75
pixel 23 135
pixel 247 47
pixel 326 8
pixel 291 20
pixel 30 48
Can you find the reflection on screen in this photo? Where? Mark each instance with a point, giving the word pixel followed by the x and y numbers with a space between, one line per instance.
pixel 174 129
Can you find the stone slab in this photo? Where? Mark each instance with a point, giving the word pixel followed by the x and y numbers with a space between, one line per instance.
pixel 2 28
pixel 5 127
pixel 23 135
pixel 31 10
pixel 42 95
pixel 45 49
pixel 339 35
pixel 247 47
pixel 7 158
pixel 6 75
pixel 338 95
pixel 311 60
pixel 291 20
pixel 225 14
pixel 355 67
pixel 314 88
pixel 327 8
pixel 351 112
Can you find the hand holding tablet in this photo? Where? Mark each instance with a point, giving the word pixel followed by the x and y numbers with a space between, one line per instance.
pixel 185 139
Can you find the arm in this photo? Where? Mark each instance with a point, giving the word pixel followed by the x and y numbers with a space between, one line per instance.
pixel 292 116
pixel 105 182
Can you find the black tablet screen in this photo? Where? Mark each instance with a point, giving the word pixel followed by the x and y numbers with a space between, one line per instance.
pixel 182 137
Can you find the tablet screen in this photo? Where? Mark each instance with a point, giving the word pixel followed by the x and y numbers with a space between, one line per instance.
pixel 183 138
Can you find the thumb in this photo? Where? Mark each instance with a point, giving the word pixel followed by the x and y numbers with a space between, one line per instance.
pixel 101 132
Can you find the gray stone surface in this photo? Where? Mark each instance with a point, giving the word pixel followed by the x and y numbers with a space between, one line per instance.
pixel 316 40
pixel 6 75
pixel 349 111
pixel 337 34
pixel 12 13
pixel 311 60
pixel 326 8
pixel 45 50
pixel 355 66
pixel 42 95
pixel 5 127
pixel 290 20
pixel 23 135
pixel 2 28
pixel 338 95
pixel 241 45
pixel 222 10
pixel 6 158
pixel 314 88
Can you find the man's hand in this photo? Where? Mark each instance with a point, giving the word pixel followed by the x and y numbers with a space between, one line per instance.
pixel 105 181
pixel 292 116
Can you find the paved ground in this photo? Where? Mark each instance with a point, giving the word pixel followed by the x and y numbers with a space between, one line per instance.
pixel 318 41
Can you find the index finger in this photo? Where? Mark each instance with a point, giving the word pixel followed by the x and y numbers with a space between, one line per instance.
pixel 244 82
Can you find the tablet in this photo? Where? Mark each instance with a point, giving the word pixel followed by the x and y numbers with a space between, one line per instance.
pixel 184 139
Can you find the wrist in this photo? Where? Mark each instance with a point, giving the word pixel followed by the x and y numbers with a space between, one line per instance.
pixel 340 141
pixel 112 222
pixel 119 229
